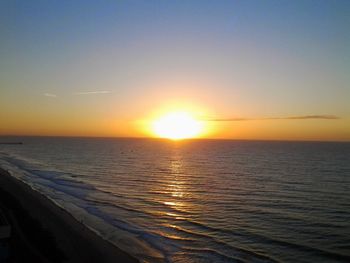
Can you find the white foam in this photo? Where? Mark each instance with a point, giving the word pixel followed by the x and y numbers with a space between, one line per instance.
pixel 69 195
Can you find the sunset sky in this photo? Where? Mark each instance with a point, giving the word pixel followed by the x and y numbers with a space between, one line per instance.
pixel 244 69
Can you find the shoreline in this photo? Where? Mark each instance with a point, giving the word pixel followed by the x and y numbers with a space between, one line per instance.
pixel 67 238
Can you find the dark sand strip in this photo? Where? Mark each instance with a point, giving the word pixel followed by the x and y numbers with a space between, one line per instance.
pixel 45 232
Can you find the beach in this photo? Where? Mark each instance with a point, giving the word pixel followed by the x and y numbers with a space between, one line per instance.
pixel 44 232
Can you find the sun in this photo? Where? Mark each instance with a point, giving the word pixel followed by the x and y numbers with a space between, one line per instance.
pixel 176 126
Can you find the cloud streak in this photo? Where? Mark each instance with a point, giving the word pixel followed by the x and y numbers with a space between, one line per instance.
pixel 51 95
pixel 308 117
pixel 92 92
pixel 302 117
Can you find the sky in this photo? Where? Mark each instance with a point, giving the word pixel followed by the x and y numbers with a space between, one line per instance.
pixel 276 70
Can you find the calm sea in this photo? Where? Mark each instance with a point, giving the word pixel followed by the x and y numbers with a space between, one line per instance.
pixel 199 200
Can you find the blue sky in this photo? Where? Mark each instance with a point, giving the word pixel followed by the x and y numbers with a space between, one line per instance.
pixel 237 58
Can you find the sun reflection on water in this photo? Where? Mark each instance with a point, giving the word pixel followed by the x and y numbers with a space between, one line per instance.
pixel 176 186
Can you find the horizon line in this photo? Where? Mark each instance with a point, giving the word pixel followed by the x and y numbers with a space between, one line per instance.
pixel 159 138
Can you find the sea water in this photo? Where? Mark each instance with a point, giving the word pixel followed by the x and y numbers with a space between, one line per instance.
pixel 197 200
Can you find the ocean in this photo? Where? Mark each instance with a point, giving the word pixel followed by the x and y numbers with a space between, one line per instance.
pixel 197 200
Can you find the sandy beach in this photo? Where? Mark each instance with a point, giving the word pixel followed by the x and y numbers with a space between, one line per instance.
pixel 43 232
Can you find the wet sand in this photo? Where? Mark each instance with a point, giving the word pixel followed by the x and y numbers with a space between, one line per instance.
pixel 44 232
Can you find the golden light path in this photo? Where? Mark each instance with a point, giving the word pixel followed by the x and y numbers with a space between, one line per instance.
pixel 177 125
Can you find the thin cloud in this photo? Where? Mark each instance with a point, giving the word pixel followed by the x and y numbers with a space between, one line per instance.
pixel 51 95
pixel 302 117
pixel 308 117
pixel 92 92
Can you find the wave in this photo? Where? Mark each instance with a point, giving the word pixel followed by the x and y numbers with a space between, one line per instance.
pixel 193 204
pixel 72 196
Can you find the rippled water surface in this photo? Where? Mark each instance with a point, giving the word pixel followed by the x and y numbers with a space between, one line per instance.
pixel 198 201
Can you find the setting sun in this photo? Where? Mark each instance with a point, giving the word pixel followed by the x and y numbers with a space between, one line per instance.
pixel 176 126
